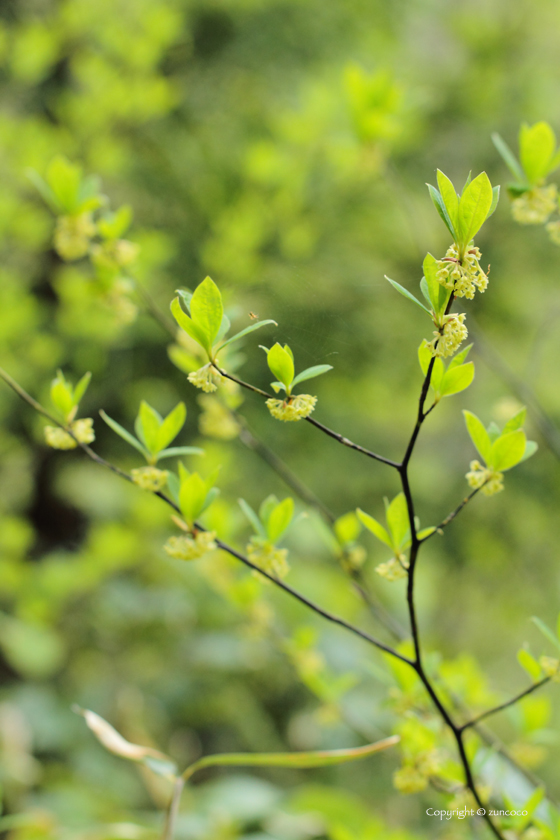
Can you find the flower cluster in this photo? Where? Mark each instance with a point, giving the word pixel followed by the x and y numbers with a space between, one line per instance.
pixel 449 336
pixel 462 275
pixel 293 408
pixel 149 478
pixel 215 420
pixel 553 230
pixel 206 378
pixel 551 667
pixel 114 253
pixel 191 547
pixel 72 236
pixel 535 206
pixel 393 569
pixel 489 481
pixel 414 775
pixel 57 438
pixel 269 558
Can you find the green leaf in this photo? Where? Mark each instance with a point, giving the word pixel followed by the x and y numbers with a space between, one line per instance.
pixel 456 379
pixel 537 144
pixel 210 496
pixel 81 388
pixel 266 508
pixel 188 325
pixel 474 207
pixel 150 423
pixel 495 199
pixel 529 664
pixel 398 521
pixel 253 518
pixel 449 197
pixel 115 225
pixel 116 427
pixel 281 364
pixel 494 431
pixel 530 449
pixel 45 191
pixel 116 744
pixel 61 394
pixel 424 356
pixel 437 293
pixel 438 371
pixel 546 631
pixel 174 485
pixel 279 519
pixel 407 294
pixel 178 451
pixel 515 422
pixel 302 760
pixel 64 179
pixel 442 210
pixel 192 496
pixel 507 451
pixel 347 528
pixel 375 527
pixel 171 426
pixel 246 331
pixel 426 532
pixel 509 158
pixel 460 357
pixel 311 373
pixel 479 435
pixel 207 310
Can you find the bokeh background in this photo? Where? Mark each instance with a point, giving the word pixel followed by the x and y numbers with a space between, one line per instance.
pixel 283 148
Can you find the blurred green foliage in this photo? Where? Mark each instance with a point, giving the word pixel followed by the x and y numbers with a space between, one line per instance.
pixel 282 147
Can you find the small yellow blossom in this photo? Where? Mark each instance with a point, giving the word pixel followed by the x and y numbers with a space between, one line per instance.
pixel 206 378
pixel 553 230
pixel 266 556
pixel 393 569
pixel 292 408
pixel 463 276
pixel 114 254
pixel 551 667
pixel 354 558
pixel 149 478
pixel 491 482
pixel 535 206
pixel 72 236
pixel 409 780
pixel 216 420
pixel 57 438
pixel 191 547
pixel 448 338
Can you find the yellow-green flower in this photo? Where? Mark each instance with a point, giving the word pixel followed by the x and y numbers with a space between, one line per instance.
pixel 393 569
pixel 58 438
pixel 292 408
pixel 464 275
pixel 491 482
pixel 448 338
pixel 409 779
pixel 206 378
pixel 535 206
pixel 266 556
pixel 149 478
pixel 191 547
pixel 72 236
pixel 215 420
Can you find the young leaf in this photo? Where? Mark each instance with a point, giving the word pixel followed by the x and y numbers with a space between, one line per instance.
pixel 279 519
pixel 509 158
pixel 188 325
pixel 456 379
pixel 302 760
pixel 546 631
pixel 171 426
pixel 150 423
pixel 281 363
pixel 116 427
pixel 424 356
pixel 174 485
pixel 529 664
pixel 311 373
pixel 347 528
pixel 495 199
pixel 493 431
pixel 253 518
pixel 478 434
pixel 537 145
pixel 438 371
pixel 442 210
pixel 61 394
pixel 192 496
pixel 460 357
pixel 179 451
pixel 530 449
pixel 397 520
pixel 438 294
pixel 81 388
pixel 64 179
pixel 449 196
pixel 407 294
pixel 474 207
pixel 116 744
pixel 507 451
pixel 246 331
pixel 375 527
pixel 515 422
pixel 266 508
pixel 207 310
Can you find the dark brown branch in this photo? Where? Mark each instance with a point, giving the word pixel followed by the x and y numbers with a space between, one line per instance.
pixel 453 513
pixel 505 705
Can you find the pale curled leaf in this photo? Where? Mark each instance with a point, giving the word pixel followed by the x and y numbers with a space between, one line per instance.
pixel 303 760
pixel 114 742
pixel 375 527
pixel 246 331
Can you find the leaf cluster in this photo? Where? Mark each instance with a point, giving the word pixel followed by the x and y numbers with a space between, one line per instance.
pixel 538 156
pixel 500 450
pixel 154 433
pixel 273 518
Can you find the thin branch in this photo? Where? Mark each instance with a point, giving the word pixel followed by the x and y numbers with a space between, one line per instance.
pixel 520 696
pixel 335 435
pixel 453 513
pixel 173 810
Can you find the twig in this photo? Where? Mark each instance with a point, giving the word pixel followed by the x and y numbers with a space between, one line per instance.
pixel 474 721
